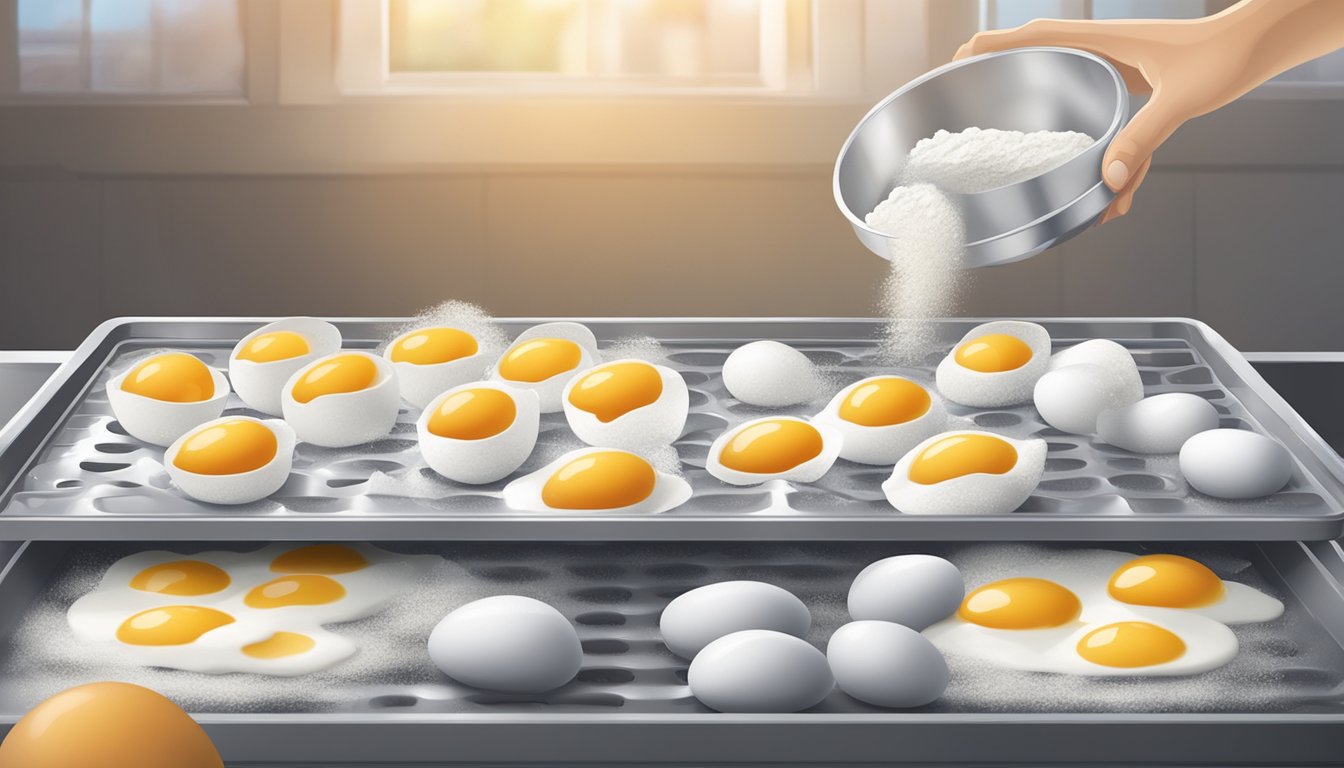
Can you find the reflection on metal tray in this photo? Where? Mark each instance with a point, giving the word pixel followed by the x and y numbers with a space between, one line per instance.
pixel 1281 701
pixel 73 474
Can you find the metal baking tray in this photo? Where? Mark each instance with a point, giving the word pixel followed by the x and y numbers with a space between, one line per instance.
pixel 1281 701
pixel 70 473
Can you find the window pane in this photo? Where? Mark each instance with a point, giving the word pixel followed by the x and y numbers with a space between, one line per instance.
pixel 678 38
pixel 201 50
pixel 487 35
pixel 121 46
pixel 1149 9
pixel 50 53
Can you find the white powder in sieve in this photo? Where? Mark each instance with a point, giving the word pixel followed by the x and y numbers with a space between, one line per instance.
pixel 927 278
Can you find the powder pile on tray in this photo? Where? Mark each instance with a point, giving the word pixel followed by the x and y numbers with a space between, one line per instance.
pixel 927 252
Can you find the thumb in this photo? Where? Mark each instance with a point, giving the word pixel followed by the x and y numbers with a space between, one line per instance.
pixel 1137 141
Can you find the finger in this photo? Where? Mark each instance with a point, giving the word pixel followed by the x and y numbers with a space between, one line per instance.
pixel 1132 148
pixel 1124 201
pixel 1094 36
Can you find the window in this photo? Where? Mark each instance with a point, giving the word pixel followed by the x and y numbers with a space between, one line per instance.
pixel 130 47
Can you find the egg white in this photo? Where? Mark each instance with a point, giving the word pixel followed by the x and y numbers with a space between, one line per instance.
pixel 241 488
pixel 260 384
pixel 477 462
pixel 420 384
pixel 995 390
pixel 524 493
pixel 658 423
pixel 810 471
pixel 551 390
pixel 160 422
pixel 881 445
pixel 346 418
pixel 978 493
pixel 95 617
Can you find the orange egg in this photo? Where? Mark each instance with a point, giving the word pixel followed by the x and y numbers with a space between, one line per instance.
pixel 174 377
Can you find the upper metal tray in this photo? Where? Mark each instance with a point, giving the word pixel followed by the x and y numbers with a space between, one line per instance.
pixel 70 473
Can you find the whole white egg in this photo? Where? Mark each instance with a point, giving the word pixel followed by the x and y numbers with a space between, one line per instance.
pixel 343 399
pixel 232 460
pixel 995 364
pixel 760 671
pixel 695 619
pixel 629 404
pixel 1108 355
pixel 880 418
pixel 264 359
pixel 912 590
pixel 507 643
pixel 771 375
pixel 479 432
pixel 544 358
pixel 966 473
pixel 1157 424
pixel 1071 398
pixel 1235 464
pixel 886 665
pixel 166 395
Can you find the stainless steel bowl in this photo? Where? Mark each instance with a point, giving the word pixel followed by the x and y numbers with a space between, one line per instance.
pixel 1025 89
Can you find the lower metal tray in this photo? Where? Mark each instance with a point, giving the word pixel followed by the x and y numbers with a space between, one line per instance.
pixel 1281 701
pixel 71 473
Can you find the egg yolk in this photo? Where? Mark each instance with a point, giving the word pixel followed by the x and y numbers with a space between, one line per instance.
pixel 884 402
pixel 280 645
pixel 319 558
pixel 959 455
pixel 431 346
pixel 344 373
pixel 539 359
pixel 993 353
pixel 1020 603
pixel 771 447
pixel 1165 581
pixel 182 578
pixel 173 378
pixel 603 480
pixel 299 589
pixel 612 391
pixel 276 345
pixel 171 625
pixel 228 448
pixel 1131 644
pixel 473 414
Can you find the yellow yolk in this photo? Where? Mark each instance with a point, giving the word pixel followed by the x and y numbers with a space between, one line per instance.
pixel 431 346
pixel 1165 581
pixel 1020 603
pixel 299 589
pixel 171 625
pixel 537 360
pixel 228 448
pixel 884 402
pixel 344 373
pixel 182 578
pixel 771 447
pixel 1131 644
pixel 276 345
pixel 612 391
pixel 960 455
pixel 280 645
pixel 994 353
pixel 473 414
pixel 173 378
pixel 319 558
pixel 602 480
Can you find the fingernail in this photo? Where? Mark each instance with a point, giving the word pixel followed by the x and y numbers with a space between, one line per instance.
pixel 1117 173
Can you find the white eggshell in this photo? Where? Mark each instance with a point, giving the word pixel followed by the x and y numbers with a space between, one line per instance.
pixel 346 418
pixel 160 422
pixel 809 471
pixel 507 643
pixel 886 665
pixel 241 488
pixel 655 424
pixel 420 384
pixel 701 616
pixel 994 390
pixel 524 493
pixel 913 590
pixel 477 462
pixel 770 374
pixel 1235 464
pixel 974 494
pixel 760 671
pixel 550 391
pixel 1108 355
pixel 260 384
pixel 880 445
pixel 1071 398
pixel 1158 424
